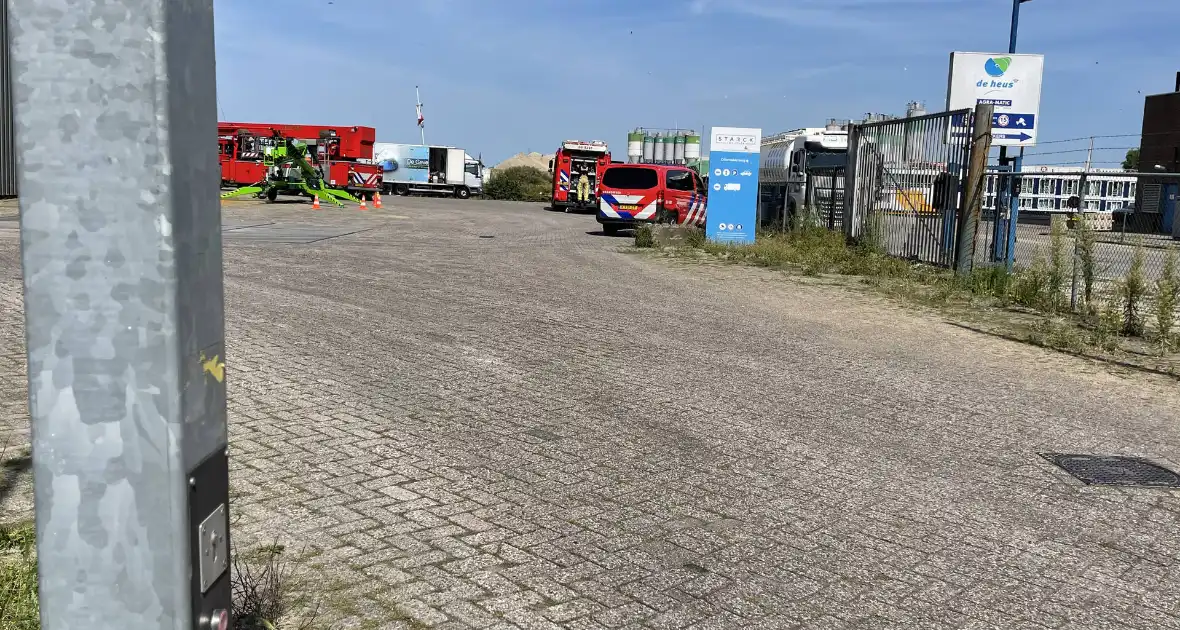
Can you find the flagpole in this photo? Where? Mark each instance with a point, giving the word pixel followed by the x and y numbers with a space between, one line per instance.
pixel 421 124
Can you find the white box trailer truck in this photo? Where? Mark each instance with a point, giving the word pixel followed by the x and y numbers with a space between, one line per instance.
pixel 408 169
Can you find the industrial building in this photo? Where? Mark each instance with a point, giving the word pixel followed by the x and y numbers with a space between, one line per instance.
pixel 1159 151
pixel 1107 189
pixel 7 128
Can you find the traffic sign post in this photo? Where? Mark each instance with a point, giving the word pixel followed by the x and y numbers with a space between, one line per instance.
pixel 732 212
pixel 121 251
pixel 1011 83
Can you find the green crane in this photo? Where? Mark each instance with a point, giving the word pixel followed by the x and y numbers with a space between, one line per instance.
pixel 289 171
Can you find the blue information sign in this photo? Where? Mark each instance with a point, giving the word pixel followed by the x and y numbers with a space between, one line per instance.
pixel 732 211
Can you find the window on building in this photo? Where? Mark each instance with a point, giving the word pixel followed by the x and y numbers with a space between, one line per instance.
pixel 1026 202
pixel 1045 203
pixel 990 202
pixel 1114 189
pixel 1094 188
pixel 1114 205
pixel 1092 204
pixel 991 184
pixel 1069 187
pixel 1131 189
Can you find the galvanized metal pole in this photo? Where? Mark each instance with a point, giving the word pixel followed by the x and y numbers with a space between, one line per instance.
pixel 981 138
pixel 1007 206
pixel 121 249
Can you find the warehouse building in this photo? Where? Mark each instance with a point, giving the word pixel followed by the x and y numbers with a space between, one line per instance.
pixel 7 131
pixel 1159 151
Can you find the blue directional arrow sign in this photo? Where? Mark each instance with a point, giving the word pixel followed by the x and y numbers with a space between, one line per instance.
pixel 1019 137
pixel 1005 126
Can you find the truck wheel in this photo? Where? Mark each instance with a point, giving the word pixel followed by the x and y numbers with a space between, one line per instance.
pixel 403 190
pixel 272 194
pixel 462 192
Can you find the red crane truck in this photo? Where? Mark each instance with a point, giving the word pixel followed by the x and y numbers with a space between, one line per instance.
pixel 346 152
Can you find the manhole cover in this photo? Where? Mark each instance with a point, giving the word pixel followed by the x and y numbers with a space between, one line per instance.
pixel 1114 470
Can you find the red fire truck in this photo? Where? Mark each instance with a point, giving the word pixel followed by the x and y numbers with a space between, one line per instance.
pixel 574 159
pixel 346 153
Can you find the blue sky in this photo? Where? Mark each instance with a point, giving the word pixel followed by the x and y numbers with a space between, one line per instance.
pixel 503 76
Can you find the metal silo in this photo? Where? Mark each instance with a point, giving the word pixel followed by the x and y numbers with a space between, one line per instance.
pixel 634 146
pixel 669 148
pixel 658 156
pixel 678 149
pixel 649 147
pixel 7 128
pixel 692 147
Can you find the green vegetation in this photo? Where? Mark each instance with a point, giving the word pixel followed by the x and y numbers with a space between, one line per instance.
pixel 643 237
pixel 18 578
pixel 1133 290
pixel 1087 241
pixel 1059 268
pixel 1167 295
pixel 1131 162
pixel 519 183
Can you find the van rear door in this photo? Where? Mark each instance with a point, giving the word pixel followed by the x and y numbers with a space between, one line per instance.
pixel 629 192
pixel 456 162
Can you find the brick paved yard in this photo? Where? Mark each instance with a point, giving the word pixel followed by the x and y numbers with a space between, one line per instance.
pixel 537 430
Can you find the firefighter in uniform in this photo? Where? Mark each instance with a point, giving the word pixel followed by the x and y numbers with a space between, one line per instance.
pixel 583 188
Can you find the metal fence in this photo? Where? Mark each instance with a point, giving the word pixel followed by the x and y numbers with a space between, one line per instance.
pixel 1112 234
pixel 825 197
pixel 905 184
pixel 7 130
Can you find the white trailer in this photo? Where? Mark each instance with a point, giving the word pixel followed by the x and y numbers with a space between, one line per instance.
pixel 426 170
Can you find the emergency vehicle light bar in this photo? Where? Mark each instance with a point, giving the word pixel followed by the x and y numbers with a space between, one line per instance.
pixel 577 145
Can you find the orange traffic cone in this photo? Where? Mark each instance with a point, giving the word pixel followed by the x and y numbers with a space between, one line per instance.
pixel 377 200
pixel 315 202
pixel 363 205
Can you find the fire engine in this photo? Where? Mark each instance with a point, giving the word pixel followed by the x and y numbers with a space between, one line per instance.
pixel 344 152
pixel 574 159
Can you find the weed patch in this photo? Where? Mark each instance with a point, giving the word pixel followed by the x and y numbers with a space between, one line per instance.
pixel 643 237
pixel 1167 294
pixel 19 609
pixel 1133 290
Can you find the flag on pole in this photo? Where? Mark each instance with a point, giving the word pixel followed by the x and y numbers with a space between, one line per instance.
pixel 418 97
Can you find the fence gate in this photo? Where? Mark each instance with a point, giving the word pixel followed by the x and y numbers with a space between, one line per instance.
pixel 825 196
pixel 905 184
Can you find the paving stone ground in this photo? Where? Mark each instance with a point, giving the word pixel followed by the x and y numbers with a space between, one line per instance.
pixel 469 414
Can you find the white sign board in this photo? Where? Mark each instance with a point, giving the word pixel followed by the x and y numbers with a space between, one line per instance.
pixel 1011 83
pixel 736 139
